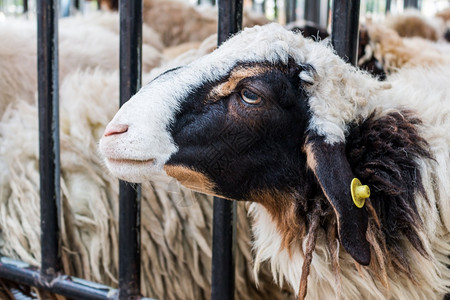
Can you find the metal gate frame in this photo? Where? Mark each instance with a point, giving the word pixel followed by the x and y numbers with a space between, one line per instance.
pixel 49 277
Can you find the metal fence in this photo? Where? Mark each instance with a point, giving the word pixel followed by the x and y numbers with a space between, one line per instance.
pixel 49 277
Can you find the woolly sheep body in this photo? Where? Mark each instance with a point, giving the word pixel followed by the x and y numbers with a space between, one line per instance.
pixel 338 95
pixel 395 52
pixel 412 23
pixel 111 21
pixel 411 86
pixel 433 275
pixel 176 224
pixel 187 23
pixel 81 46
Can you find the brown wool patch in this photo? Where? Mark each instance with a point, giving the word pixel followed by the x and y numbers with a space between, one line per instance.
pixel 191 179
pixel 238 74
pixel 310 158
pixel 282 207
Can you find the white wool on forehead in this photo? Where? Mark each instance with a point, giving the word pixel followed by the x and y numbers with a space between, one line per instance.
pixel 270 43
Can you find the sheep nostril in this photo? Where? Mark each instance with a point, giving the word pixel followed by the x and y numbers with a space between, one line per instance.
pixel 113 129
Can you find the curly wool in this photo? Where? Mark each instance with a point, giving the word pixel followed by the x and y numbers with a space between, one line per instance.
pixel 176 223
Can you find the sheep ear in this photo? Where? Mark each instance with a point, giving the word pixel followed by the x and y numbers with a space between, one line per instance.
pixel 334 175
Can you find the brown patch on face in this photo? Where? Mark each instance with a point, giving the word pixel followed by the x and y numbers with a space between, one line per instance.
pixel 281 206
pixel 227 87
pixel 310 158
pixel 191 179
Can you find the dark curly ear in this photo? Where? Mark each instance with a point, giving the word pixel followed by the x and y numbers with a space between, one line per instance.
pixel 334 175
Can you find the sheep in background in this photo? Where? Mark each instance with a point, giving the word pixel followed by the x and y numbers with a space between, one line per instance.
pixel 394 52
pixel 176 223
pixel 403 40
pixel 444 15
pixel 82 45
pixel 411 23
pixel 308 29
pixel 111 21
pixel 366 58
pixel 109 4
pixel 179 22
pixel 286 124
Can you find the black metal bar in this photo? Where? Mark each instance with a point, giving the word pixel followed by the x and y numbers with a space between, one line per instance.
pixel 67 286
pixel 275 8
pixel 63 285
pixel 223 262
pixel 388 6
pixel 328 13
pixel 211 2
pixel 25 6
pixel 76 4
pixel 344 29
pixel 49 163
pixel 411 3
pixel 129 199
pixel 129 241
pixel 230 19
pixel 312 11
pixel 290 7
pixel 224 220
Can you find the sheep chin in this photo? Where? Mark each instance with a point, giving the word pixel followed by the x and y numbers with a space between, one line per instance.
pixel 132 170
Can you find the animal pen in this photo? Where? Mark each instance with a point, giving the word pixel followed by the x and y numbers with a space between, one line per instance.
pixel 49 277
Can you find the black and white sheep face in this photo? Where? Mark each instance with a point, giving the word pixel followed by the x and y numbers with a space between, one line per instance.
pixel 282 121
pixel 139 141
pixel 265 111
pixel 216 139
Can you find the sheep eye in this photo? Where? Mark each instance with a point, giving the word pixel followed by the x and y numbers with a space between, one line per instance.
pixel 250 97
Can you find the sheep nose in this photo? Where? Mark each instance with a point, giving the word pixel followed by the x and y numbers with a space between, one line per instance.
pixel 113 129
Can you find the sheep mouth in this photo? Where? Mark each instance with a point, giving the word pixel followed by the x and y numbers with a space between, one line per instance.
pixel 131 161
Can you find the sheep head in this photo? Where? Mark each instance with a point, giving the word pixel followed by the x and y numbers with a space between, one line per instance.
pixel 268 110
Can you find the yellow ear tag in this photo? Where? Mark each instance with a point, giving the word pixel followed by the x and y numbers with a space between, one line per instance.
pixel 359 192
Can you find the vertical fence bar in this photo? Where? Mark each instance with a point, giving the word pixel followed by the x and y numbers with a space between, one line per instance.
pixel 129 197
pixel 388 6
pixel 290 7
pixel 25 6
pixel 224 220
pixel 275 9
pixel 49 164
pixel 312 11
pixel 344 29
pixel 411 3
